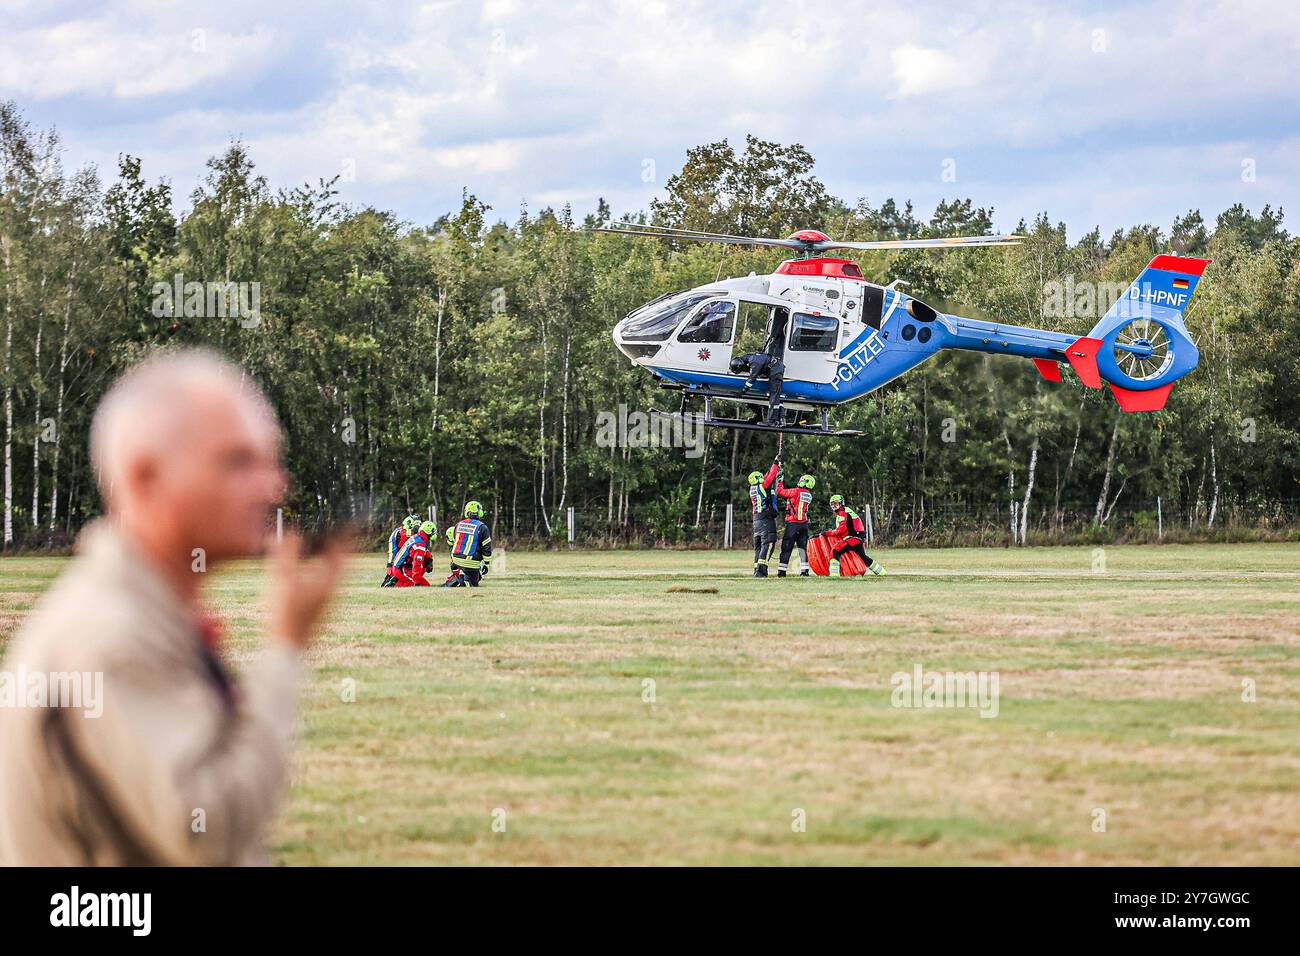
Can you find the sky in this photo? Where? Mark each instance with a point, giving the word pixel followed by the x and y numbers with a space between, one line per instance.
pixel 1101 114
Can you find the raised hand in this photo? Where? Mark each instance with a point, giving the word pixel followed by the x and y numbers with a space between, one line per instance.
pixel 302 588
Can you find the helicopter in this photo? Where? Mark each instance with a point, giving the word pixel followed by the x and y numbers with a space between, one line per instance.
pixel 841 337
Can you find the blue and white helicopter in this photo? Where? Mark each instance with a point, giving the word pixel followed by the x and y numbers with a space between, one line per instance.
pixel 840 337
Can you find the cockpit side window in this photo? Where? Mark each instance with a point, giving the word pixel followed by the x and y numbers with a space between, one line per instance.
pixel 713 324
pixel 660 320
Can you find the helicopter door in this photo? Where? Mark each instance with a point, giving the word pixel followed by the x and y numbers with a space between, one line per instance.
pixel 810 350
pixel 752 324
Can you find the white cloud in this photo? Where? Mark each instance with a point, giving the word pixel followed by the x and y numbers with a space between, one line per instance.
pixel 100 58
pixel 519 101
pixel 918 70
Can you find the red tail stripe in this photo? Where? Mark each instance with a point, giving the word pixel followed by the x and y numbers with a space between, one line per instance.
pixel 1189 267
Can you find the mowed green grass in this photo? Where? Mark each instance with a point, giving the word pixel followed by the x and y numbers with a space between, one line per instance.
pixel 527 703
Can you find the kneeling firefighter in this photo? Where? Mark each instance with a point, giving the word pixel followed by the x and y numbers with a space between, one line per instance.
pixel 847 536
pixel 470 540
pixel 413 561
pixel 400 535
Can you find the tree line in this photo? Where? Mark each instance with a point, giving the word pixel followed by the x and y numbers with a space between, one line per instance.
pixel 424 364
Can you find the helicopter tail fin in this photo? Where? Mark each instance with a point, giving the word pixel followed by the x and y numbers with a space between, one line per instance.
pixel 1141 346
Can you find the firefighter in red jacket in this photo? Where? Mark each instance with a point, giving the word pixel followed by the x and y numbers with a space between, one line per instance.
pixel 847 536
pixel 398 538
pixel 798 501
pixel 413 560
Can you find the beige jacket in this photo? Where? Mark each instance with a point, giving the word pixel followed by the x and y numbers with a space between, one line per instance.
pixel 173 771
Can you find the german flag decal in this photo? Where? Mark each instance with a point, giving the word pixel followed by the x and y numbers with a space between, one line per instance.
pixel 1180 283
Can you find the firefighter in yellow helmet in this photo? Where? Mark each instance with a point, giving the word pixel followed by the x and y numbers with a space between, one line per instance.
pixel 798 502
pixel 470 540
pixel 762 498
pixel 847 536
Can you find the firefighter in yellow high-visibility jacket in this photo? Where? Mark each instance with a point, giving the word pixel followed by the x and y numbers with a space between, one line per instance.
pixel 470 540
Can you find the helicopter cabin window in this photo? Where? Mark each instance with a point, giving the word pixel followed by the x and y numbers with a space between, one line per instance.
pixel 814 333
pixel 660 319
pixel 712 325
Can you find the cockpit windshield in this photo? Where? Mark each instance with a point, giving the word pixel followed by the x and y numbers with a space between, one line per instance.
pixel 660 320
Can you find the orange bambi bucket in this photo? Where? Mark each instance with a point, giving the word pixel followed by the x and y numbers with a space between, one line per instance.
pixel 819 559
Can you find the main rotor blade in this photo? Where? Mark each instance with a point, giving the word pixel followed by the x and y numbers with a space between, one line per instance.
pixel 616 226
pixel 670 233
pixel 952 242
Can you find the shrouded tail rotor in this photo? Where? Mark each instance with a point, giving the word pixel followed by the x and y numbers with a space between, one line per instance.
pixel 1143 350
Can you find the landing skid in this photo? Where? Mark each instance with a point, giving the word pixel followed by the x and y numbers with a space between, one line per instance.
pixel 791 423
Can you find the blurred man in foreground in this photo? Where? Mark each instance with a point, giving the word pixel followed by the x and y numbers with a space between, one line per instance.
pixel 184 765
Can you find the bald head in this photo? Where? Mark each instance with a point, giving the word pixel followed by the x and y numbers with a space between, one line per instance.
pixel 185 446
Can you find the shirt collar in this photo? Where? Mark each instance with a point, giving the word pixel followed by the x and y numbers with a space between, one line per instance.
pixel 108 549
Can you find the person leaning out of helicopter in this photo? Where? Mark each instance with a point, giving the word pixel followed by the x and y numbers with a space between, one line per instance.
pixel 847 536
pixel 764 365
pixel 470 540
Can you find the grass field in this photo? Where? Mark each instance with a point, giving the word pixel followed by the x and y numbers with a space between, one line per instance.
pixel 526 703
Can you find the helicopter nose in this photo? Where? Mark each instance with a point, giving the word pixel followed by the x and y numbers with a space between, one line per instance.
pixel 617 336
pixel 637 352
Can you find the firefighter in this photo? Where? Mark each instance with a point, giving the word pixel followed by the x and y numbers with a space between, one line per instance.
pixel 413 561
pixel 847 536
pixel 470 540
pixel 762 498
pixel 395 541
pixel 798 501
